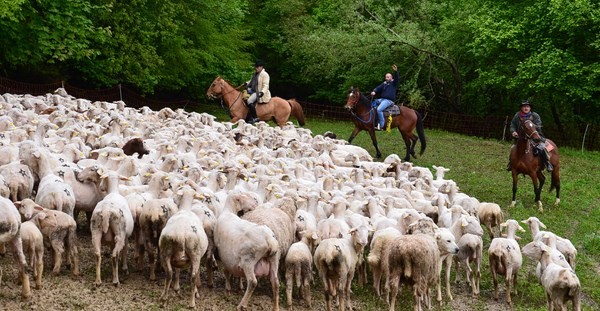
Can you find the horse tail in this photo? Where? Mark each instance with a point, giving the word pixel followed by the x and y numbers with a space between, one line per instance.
pixel 297 111
pixel 421 132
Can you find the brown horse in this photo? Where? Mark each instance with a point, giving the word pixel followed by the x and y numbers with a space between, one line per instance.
pixel 523 161
pixel 364 119
pixel 277 109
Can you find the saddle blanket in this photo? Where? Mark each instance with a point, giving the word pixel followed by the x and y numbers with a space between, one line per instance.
pixel 549 147
pixel 393 110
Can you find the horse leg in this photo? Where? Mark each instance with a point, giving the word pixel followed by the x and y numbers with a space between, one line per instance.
pixel 407 144
pixel 536 190
pixel 374 140
pixel 515 178
pixel 354 133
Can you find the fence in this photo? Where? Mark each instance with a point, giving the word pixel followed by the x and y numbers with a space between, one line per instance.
pixel 583 136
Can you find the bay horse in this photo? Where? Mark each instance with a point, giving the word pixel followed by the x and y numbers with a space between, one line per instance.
pixel 277 109
pixel 523 161
pixel 364 120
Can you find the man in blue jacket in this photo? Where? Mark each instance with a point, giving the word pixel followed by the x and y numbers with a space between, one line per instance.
pixel 387 95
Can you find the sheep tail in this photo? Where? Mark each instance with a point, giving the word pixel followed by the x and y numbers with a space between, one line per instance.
pixel 105 221
pixel 298 274
pixel 407 266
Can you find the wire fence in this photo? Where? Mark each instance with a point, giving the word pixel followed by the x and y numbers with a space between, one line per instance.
pixel 584 136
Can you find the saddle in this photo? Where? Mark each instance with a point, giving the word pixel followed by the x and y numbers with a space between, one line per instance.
pixel 392 110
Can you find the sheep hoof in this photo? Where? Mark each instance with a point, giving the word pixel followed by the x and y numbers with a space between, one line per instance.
pixel 116 284
pixel 98 284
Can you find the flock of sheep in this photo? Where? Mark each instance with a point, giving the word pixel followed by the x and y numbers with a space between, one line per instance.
pixel 252 201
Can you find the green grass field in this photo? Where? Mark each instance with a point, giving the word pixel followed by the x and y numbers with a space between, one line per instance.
pixel 478 167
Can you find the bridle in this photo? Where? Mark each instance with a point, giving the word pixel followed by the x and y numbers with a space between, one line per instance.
pixel 221 95
pixel 352 108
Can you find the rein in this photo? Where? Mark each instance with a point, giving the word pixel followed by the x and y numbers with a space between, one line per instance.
pixel 371 113
pixel 228 108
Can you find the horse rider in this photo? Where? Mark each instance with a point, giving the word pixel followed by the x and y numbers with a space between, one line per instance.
pixel 387 92
pixel 523 114
pixel 258 88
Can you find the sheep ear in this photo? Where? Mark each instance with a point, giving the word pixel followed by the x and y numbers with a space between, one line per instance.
pixel 542 225
pixel 18 204
pixel 526 221
pixel 38 208
pixel 100 171
pixel 41 216
pixel 503 225
pixel 315 236
pixel 464 222
pixel 521 229
pixel 180 192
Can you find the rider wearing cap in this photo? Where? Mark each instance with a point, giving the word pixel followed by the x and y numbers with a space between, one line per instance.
pixel 258 87
pixel 523 114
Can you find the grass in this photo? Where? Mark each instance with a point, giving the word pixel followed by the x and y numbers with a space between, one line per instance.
pixel 478 167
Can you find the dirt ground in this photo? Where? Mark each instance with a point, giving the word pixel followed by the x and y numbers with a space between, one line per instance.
pixel 137 292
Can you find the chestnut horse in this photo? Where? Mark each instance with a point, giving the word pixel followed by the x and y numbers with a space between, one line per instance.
pixel 406 122
pixel 277 109
pixel 523 161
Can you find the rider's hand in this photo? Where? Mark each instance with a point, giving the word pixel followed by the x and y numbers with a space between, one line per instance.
pixel 245 84
pixel 260 94
pixel 395 67
pixel 372 93
pixel 515 134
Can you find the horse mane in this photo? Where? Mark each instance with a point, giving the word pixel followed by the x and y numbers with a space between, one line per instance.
pixel 364 100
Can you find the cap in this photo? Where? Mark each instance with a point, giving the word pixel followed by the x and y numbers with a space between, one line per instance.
pixel 525 102
pixel 259 63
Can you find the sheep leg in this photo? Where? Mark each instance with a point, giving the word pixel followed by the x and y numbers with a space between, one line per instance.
pixel 210 265
pixel 139 248
pixel 96 241
pixel 124 255
pixel 448 269
pixel 2 249
pixel 393 284
pixel 57 249
pixel 72 251
pixel 195 279
pixel 114 262
pixel 250 284
pixel 274 278
pixel 494 276
pixel 439 281
pixel 151 259
pixel 289 283
pixel 508 283
pixel 169 278
pixel 306 291
pixel 21 262
pixel 38 267
pixel 377 279
pixel 327 291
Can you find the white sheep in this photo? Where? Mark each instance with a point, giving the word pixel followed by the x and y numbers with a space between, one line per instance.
pixel 560 284
pixel 19 180
pixel 563 245
pixel 298 266
pixel 468 232
pixel 258 254
pixel 58 230
pixel 413 260
pixel 336 260
pixel 33 247
pixel 378 243
pixel 182 243
pixel 490 215
pixel 10 221
pixel 111 222
pixel 505 258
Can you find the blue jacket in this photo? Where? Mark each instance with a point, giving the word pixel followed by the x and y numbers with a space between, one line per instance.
pixel 388 90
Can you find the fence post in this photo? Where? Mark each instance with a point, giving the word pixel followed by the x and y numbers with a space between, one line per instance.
pixel 62 84
pixel 584 134
pixel 504 130
pixel 120 93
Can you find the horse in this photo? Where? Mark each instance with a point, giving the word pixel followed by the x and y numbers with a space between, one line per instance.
pixel 277 109
pixel 523 161
pixel 406 122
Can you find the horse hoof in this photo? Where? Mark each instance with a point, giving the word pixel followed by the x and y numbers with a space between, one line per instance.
pixel 513 204
pixel 557 202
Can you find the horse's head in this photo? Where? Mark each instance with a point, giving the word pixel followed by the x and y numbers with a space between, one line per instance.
pixel 216 88
pixel 353 98
pixel 530 130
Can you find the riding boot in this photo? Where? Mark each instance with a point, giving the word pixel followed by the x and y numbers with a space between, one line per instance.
pixel 252 113
pixel 546 156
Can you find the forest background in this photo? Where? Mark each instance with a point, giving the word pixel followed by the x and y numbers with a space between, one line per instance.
pixel 473 57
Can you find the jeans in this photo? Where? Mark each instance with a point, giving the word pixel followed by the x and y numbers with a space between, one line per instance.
pixel 383 104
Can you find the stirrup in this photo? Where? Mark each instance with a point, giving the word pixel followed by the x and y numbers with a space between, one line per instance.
pixel 549 167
